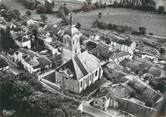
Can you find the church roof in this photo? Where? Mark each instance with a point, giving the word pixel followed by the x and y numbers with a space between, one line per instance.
pixel 81 65
pixel 71 30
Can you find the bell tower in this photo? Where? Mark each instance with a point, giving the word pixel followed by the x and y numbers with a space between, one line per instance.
pixel 71 41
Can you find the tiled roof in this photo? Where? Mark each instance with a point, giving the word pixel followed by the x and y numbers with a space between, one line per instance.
pixel 156 72
pixel 122 91
pixel 120 54
pixel 122 41
pixel 43 61
pixel 102 52
pixel 34 58
pixel 144 92
pixel 124 62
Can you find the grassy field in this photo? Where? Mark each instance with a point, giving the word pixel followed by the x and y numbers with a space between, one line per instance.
pixel 153 22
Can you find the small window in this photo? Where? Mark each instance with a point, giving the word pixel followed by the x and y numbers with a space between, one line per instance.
pixel 81 84
pixel 96 74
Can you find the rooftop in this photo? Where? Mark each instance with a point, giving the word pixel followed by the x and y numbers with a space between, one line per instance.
pixel 80 65
pixel 122 90
pixel 71 30
pixel 34 59
pixel 156 72
pixel 22 39
pixel 121 40
pixel 143 91
pixel 102 52
pixel 120 54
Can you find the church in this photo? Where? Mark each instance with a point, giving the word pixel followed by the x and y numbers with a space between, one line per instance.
pixel 80 69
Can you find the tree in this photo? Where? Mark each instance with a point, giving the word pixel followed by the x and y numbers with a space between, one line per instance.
pixel 43 105
pixel 16 13
pixel 40 9
pixel 32 80
pixel 12 92
pixel 78 25
pixel 158 84
pixel 57 112
pixel 43 18
pixel 142 30
pixel 161 9
pixel 6 40
pixel 49 6
pixel 162 50
pixel 28 13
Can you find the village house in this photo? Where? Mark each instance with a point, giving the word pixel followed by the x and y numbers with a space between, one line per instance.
pixel 120 43
pixel 103 52
pixel 144 92
pixel 102 100
pixel 131 106
pixel 54 47
pixel 94 37
pixel 79 73
pixel 117 57
pixel 23 42
pixel 119 97
pixel 32 62
pixel 121 90
pixel 3 65
pixel 125 45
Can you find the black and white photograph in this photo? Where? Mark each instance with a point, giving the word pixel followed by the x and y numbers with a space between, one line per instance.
pixel 82 58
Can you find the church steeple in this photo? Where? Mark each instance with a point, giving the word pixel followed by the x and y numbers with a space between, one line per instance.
pixel 71 41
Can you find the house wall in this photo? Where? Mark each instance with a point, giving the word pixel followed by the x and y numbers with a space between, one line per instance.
pixel 101 103
pixel 123 47
pixel 72 85
pixel 113 103
pixel 26 65
pixel 27 44
pixel 131 107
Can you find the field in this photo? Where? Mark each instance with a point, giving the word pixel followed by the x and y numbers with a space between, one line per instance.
pixel 153 22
